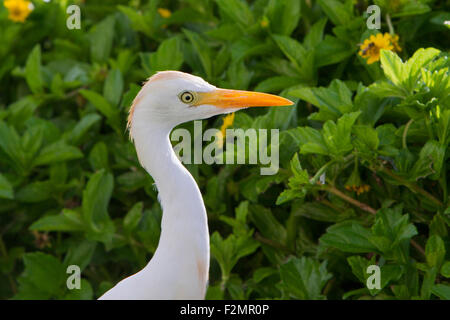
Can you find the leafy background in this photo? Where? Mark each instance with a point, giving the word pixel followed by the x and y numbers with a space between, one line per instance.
pixel 364 153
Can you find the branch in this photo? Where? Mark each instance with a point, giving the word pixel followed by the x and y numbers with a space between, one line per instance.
pixel 340 194
pixel 414 187
pixel 365 207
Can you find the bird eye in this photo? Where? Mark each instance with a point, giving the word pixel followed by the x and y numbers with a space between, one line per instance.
pixel 187 97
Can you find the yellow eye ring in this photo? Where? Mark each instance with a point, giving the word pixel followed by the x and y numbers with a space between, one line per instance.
pixel 187 97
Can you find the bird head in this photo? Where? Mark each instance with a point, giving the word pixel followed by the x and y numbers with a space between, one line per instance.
pixel 172 97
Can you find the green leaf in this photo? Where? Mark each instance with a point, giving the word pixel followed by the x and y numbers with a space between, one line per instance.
pixel 442 291
pixel 83 127
pixel 337 137
pixel 392 232
pixel 22 110
pixel 288 195
pixel 388 273
pixel 33 72
pixel 239 222
pixel 283 15
pixel 247 47
pixel 412 8
pixel 366 139
pixel 320 212
pixel 80 253
pixel 6 189
pixel 430 162
pixel 133 180
pixel 405 75
pixel 384 89
pixel 202 50
pixel 304 278
pixel 338 12
pixel 261 273
pixel 435 251
pixel 36 191
pixel 315 35
pixel 149 228
pixel 275 84
pixel 214 292
pixel 333 101
pixel 228 252
pixel 31 142
pixel 132 218
pixel 84 293
pixel 267 224
pixel 113 87
pixel 11 145
pixel 359 267
pixel 419 60
pixel 169 56
pixel 68 220
pixel 57 152
pixel 393 67
pixel 98 157
pixel 138 20
pixel 332 50
pixel 95 202
pixel 309 139
pixel 42 278
pixel 293 49
pixel 239 75
pixel 102 105
pixel 129 96
pixel 348 236
pixel 237 10
pixel 445 270
pixel 101 38
pixel 438 226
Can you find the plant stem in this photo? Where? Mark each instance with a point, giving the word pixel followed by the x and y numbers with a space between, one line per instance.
pixel 389 23
pixel 412 186
pixel 430 130
pixel 405 133
pixel 272 243
pixel 4 252
pixel 418 247
pixel 365 207
pixel 345 197
pixel 328 287
pixel 74 92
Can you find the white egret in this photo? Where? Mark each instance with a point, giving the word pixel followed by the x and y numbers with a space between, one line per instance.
pixel 180 265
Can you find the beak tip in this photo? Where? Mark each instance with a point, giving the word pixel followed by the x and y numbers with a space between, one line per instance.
pixel 287 102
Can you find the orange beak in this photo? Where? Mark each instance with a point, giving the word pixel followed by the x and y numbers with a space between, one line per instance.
pixel 224 98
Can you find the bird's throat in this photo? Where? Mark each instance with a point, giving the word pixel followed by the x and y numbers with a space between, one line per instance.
pixel 184 227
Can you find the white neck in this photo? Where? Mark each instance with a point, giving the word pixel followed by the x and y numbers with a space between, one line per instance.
pixel 184 237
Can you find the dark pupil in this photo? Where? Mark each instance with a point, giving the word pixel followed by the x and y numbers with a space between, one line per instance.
pixel 187 97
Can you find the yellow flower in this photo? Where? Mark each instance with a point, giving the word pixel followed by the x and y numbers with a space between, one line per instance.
pixel 19 10
pixel 358 189
pixel 394 41
pixel 165 13
pixel 264 22
pixel 354 182
pixel 370 49
pixel 227 122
